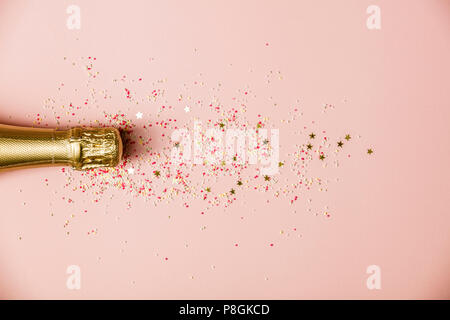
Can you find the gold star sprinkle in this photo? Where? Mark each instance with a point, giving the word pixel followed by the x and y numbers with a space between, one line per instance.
pixel 267 178
pixel 322 157
pixel 312 136
pixel 369 151
pixel 340 144
pixel 347 137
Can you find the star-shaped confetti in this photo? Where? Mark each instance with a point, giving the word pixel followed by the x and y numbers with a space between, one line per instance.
pixel 206 181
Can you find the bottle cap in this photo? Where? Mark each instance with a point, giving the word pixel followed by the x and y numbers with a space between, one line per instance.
pixel 95 147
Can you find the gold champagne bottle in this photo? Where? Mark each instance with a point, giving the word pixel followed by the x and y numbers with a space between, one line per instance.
pixel 81 148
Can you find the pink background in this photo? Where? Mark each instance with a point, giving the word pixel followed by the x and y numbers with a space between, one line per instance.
pixel 390 86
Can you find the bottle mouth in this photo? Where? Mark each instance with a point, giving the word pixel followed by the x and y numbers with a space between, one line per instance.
pixel 95 147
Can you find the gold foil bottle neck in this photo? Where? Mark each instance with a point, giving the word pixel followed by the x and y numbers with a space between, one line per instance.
pixel 94 148
pixel 82 148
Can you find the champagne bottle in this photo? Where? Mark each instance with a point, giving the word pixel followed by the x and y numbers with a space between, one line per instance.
pixel 81 148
